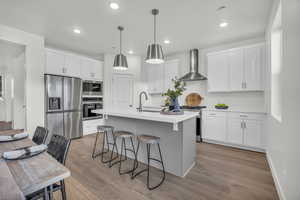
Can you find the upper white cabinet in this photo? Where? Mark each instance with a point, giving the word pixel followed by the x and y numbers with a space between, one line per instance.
pixel 253 67
pixel 159 77
pixel 239 69
pixel 170 72
pixel 66 64
pixel 72 65
pixel 91 69
pixel 218 72
pixel 55 63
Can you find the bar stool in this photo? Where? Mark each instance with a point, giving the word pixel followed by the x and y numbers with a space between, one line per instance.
pixel 123 135
pixel 104 129
pixel 149 140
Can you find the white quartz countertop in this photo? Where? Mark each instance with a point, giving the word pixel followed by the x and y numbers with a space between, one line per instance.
pixel 152 116
pixel 237 109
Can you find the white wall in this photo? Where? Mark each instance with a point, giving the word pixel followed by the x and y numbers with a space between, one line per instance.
pixel 35 61
pixel 134 68
pixel 283 137
pixel 248 101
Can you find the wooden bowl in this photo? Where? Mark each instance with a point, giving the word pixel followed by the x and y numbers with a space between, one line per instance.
pixel 193 99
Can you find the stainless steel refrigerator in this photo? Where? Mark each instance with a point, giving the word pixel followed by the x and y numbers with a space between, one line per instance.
pixel 63 106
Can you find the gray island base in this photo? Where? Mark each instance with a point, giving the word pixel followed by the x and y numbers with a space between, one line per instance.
pixel 178 139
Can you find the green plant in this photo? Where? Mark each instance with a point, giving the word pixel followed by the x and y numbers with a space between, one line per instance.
pixel 179 87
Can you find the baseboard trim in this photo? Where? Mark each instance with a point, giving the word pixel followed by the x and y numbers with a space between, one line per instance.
pixel 275 178
pixel 189 169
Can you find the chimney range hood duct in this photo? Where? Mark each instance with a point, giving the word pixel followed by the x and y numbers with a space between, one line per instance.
pixel 193 74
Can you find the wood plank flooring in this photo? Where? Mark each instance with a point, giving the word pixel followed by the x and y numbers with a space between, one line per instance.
pixel 220 173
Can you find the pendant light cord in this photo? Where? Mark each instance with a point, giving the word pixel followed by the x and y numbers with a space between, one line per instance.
pixel 154 29
pixel 120 41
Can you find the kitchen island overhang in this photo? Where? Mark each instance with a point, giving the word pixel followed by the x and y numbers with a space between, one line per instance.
pixel 177 133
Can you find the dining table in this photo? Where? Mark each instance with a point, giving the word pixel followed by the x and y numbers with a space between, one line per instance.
pixel 19 178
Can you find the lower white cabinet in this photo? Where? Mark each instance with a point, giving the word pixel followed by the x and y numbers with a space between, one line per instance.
pixel 214 126
pixel 237 129
pixel 90 126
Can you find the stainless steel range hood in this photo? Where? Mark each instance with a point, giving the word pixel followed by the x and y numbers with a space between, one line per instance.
pixel 193 74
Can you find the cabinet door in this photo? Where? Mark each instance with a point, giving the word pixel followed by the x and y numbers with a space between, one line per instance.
pixel 236 63
pixel 87 69
pixel 170 72
pixel 98 70
pixel 155 78
pixel 253 68
pixel 55 62
pixel 72 66
pixel 252 133
pixel 235 131
pixel 215 128
pixel 218 72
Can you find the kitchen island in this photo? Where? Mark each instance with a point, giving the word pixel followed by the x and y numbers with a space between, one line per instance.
pixel 177 133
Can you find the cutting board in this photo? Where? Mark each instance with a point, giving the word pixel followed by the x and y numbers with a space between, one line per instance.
pixel 193 99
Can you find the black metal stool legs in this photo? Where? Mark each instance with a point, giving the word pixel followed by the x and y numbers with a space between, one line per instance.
pixel 148 166
pixel 103 151
pixel 123 147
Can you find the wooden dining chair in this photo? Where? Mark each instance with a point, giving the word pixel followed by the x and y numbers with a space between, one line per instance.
pixel 58 148
pixel 40 135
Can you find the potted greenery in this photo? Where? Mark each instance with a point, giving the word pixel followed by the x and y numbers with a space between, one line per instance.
pixel 173 94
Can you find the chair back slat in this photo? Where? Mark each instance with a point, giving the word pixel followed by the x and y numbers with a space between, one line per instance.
pixel 40 135
pixel 58 147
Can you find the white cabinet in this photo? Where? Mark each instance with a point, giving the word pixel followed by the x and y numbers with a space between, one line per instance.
pixel 90 126
pixel 155 78
pixel 55 63
pixel 218 72
pixel 91 69
pixel 242 130
pixel 235 131
pixel 239 69
pixel 252 133
pixel 159 77
pixel 236 63
pixel 67 64
pixel 170 72
pixel 72 65
pixel 253 67
pixel 214 126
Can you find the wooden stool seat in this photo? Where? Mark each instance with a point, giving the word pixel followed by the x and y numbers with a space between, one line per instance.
pixel 149 139
pixel 123 134
pixel 103 128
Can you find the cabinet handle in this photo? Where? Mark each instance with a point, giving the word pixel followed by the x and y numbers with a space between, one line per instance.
pixel 242 85
pixel 245 126
pixel 245 85
pixel 243 115
pixel 242 125
pixel 212 114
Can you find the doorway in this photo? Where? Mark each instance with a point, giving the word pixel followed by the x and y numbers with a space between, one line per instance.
pixel 12 86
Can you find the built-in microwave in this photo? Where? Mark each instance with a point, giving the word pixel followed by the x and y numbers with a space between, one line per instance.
pixel 92 88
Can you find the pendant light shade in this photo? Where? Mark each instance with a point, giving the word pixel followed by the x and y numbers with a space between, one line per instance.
pixel 120 62
pixel 155 53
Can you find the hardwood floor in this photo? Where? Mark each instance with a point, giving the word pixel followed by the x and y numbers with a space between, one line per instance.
pixel 220 173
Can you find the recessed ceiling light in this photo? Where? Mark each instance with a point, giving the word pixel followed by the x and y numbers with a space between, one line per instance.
pixel 114 5
pixel 130 52
pixel 223 24
pixel 76 30
pixel 167 41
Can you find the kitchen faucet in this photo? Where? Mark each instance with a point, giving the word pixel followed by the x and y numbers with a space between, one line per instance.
pixel 140 108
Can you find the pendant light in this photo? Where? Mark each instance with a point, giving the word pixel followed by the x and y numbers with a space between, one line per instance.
pixel 154 51
pixel 120 62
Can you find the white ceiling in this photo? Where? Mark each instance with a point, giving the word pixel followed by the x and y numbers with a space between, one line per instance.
pixel 187 23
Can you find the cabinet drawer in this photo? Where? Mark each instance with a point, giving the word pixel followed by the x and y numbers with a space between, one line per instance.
pixel 246 116
pixel 214 114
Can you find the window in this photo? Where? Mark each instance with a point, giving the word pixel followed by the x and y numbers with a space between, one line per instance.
pixel 276 65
